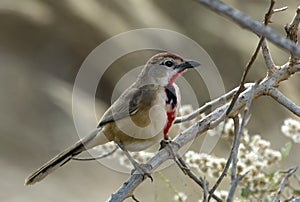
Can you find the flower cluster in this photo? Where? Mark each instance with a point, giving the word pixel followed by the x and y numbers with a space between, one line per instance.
pixel 291 129
pixel 255 157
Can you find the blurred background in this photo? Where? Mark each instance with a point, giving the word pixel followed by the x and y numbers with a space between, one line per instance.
pixel 42 46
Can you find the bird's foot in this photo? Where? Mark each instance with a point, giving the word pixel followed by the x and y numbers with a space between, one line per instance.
pixel 167 141
pixel 143 169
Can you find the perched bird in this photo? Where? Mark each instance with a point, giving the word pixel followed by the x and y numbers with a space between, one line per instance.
pixel 138 119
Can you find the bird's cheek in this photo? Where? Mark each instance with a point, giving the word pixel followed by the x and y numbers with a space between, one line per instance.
pixel 157 72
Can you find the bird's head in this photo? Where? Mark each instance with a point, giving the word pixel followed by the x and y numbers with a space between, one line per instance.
pixel 164 68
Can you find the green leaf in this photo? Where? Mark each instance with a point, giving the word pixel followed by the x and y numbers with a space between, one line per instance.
pixel 245 192
pixel 285 150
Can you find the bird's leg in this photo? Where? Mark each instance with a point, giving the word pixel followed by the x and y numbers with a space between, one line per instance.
pixel 143 169
pixel 166 142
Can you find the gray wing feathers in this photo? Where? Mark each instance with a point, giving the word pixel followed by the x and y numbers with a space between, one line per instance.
pixel 129 102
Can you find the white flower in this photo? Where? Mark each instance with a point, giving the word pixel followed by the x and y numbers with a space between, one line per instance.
pixel 291 129
pixel 180 197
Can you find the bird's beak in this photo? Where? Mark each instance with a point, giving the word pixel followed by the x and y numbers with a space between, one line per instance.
pixel 188 64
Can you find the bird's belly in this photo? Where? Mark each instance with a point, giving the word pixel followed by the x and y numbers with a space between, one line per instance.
pixel 131 142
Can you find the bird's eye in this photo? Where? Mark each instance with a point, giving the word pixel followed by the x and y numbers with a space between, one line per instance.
pixel 169 63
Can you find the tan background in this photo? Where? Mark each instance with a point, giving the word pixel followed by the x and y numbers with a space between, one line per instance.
pixel 44 42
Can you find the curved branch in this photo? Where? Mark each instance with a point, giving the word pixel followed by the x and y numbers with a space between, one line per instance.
pixel 288 173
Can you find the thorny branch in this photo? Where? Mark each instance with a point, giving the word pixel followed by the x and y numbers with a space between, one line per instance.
pixel 266 86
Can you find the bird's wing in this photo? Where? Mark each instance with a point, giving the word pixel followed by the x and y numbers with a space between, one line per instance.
pixel 133 99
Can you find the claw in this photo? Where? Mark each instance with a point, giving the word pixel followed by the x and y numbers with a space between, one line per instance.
pixel 143 169
pixel 165 142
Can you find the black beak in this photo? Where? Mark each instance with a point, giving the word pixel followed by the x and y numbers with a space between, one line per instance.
pixel 188 64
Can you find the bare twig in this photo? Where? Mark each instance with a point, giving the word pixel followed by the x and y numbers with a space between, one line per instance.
pixel 268 58
pixel 209 105
pixel 97 157
pixel 288 173
pixel 267 19
pixel 201 182
pixel 251 24
pixel 280 9
pixel 292 34
pixel 292 29
pixel 229 160
pixel 283 100
pixel 235 178
pixel 205 191
pixel 233 186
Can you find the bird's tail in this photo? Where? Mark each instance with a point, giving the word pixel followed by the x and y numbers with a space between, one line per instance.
pixel 60 159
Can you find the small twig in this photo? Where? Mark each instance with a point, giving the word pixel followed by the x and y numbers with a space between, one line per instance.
pixel 209 105
pixel 95 158
pixel 234 177
pixel 236 143
pixel 227 165
pixel 292 29
pixel 268 58
pixel 205 190
pixel 267 19
pixel 265 49
pixel 280 9
pixel 283 100
pixel 201 182
pixel 233 186
pixel 292 33
pixel 288 173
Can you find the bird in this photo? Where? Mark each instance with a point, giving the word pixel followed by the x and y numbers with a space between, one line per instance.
pixel 138 119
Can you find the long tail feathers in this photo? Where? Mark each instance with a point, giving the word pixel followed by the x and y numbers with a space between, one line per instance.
pixel 60 159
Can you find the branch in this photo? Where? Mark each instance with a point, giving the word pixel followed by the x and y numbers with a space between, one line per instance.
pixel 227 165
pixel 235 178
pixel 251 24
pixel 292 33
pixel 201 182
pixel 209 105
pixel 268 58
pixel 267 19
pixel 288 173
pixel 281 99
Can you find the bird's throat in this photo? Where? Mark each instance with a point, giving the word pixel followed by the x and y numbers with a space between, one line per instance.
pixel 173 77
